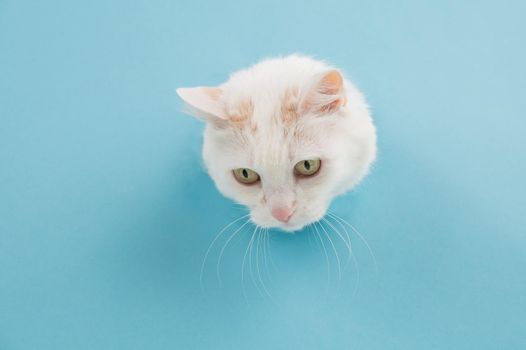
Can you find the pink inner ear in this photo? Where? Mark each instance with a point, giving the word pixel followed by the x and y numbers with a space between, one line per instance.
pixel 203 100
pixel 327 96
pixel 331 83
pixel 213 92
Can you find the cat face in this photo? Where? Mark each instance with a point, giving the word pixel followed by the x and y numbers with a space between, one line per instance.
pixel 285 137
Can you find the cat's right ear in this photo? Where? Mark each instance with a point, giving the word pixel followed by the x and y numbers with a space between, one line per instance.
pixel 327 94
pixel 204 102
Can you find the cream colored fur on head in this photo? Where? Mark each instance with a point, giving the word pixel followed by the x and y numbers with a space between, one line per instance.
pixel 271 116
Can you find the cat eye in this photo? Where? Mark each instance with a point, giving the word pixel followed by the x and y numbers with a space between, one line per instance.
pixel 246 176
pixel 307 167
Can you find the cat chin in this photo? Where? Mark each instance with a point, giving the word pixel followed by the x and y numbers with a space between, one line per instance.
pixel 293 228
pixel 288 228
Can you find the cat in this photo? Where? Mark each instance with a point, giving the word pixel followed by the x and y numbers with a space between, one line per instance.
pixel 284 138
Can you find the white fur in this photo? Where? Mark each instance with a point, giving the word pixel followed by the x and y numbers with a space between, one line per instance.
pixel 344 140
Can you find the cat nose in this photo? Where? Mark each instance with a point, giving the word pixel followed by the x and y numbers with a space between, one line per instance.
pixel 283 214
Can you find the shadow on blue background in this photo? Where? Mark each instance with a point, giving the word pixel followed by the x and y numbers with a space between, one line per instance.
pixel 106 212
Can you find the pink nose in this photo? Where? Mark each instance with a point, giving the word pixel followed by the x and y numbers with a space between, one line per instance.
pixel 283 214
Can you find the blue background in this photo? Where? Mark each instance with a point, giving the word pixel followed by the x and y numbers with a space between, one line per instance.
pixel 106 212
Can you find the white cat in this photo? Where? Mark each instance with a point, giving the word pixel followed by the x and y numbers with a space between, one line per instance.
pixel 284 137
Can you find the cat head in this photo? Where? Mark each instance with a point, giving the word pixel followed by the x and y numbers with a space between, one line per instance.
pixel 284 137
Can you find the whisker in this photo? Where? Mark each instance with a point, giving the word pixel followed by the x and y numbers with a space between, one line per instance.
pixel 314 238
pixel 260 235
pixel 335 253
pixel 250 263
pixel 361 237
pixel 266 248
pixel 212 244
pixel 349 249
pixel 243 265
pixel 218 267
pixel 326 255
pixel 310 241
pixel 271 257
pixel 344 230
pixel 354 261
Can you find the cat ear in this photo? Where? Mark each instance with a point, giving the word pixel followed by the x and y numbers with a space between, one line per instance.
pixel 326 95
pixel 204 101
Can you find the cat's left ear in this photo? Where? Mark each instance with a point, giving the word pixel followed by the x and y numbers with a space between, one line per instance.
pixel 326 95
pixel 204 101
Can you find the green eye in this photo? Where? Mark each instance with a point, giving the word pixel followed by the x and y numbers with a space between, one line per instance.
pixel 307 167
pixel 246 176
